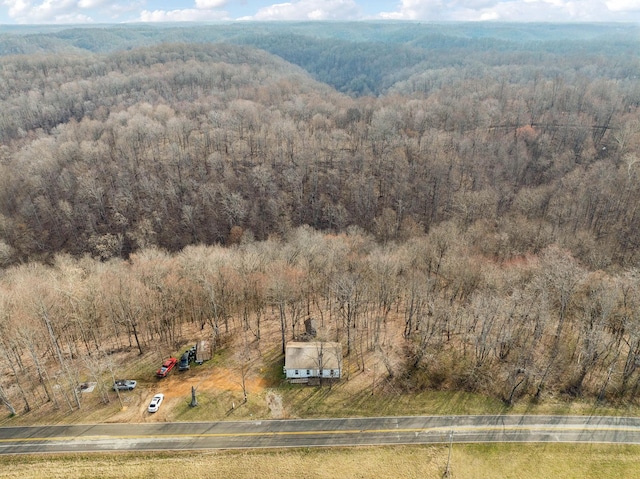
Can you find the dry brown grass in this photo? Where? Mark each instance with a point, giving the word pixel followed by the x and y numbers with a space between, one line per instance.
pixel 312 463
pixel 528 461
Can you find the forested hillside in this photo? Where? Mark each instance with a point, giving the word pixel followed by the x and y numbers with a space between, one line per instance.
pixel 474 187
pixel 358 58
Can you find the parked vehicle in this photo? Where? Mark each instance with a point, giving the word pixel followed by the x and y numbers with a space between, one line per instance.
pixel 184 362
pixel 167 366
pixel 192 353
pixel 154 405
pixel 124 385
pixel 203 351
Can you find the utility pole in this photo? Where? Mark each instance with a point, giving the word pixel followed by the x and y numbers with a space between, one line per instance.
pixel 194 401
pixel 447 471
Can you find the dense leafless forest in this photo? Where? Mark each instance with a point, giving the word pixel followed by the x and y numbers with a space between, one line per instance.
pixel 475 187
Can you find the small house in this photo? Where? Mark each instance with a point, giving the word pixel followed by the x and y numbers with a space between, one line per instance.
pixel 312 360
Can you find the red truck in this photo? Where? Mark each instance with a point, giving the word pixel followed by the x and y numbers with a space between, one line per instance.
pixel 166 367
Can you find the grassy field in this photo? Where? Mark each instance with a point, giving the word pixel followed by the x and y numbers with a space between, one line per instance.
pixel 467 461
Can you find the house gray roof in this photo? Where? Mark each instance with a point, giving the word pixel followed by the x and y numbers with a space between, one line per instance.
pixel 306 355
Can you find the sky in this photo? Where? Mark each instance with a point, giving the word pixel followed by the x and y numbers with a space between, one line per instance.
pixel 127 11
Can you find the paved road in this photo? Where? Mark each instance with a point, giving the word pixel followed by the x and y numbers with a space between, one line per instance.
pixel 318 432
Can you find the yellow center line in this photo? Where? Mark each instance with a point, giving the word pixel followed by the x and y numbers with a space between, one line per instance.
pixel 439 429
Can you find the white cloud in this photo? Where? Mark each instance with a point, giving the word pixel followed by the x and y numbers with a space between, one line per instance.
pixel 116 10
pixel 510 10
pixel 47 11
pixel 309 10
pixel 17 8
pixel 489 17
pixel 416 10
pixel 92 3
pixel 185 15
pixel 86 11
pixel 75 18
pixel 623 5
pixel 53 8
pixel 209 4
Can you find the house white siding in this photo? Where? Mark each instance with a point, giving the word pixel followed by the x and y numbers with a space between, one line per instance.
pixel 312 373
pixel 305 360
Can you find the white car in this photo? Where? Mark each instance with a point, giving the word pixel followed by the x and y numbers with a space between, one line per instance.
pixel 154 405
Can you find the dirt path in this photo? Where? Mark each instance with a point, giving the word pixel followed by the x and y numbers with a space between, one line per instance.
pixel 222 379
pixel 177 387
